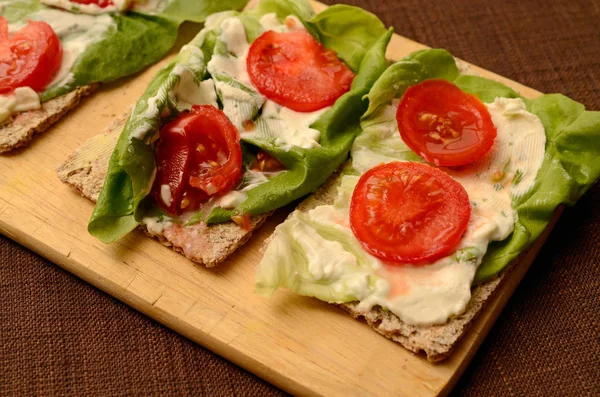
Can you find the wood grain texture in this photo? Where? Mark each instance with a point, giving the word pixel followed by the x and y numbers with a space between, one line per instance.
pixel 300 344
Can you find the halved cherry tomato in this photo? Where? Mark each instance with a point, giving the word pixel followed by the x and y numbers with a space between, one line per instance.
pixel 29 58
pixel 445 125
pixel 99 3
pixel 409 212
pixel 294 70
pixel 198 156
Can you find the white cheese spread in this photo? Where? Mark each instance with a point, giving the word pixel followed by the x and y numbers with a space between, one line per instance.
pixel 231 200
pixel 188 93
pixel 286 127
pixel 165 195
pixel 156 226
pixel 22 99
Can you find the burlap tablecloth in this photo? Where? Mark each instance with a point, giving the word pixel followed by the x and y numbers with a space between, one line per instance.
pixel 59 335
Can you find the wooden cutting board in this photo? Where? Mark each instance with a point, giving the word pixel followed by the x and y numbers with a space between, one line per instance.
pixel 300 344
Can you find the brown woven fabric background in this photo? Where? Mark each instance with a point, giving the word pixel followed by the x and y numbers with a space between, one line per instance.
pixel 59 335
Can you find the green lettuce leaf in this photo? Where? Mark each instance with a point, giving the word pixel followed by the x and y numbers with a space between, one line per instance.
pixel 350 41
pixel 14 10
pixel 139 41
pixel 121 204
pixel 485 89
pixel 411 70
pixel 197 10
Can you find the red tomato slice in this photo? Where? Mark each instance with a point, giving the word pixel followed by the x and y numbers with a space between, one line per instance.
pixel 409 212
pixel 99 3
pixel 29 58
pixel 198 156
pixel 445 125
pixel 296 71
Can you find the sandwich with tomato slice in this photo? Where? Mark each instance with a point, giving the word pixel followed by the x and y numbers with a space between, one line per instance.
pixel 53 52
pixel 256 112
pixel 453 177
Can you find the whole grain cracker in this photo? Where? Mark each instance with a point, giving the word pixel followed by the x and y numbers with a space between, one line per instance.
pixel 18 131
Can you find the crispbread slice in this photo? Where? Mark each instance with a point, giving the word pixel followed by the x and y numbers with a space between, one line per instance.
pixel 436 341
pixel 19 130
pixel 85 170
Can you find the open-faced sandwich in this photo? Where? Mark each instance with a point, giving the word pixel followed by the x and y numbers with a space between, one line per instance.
pixel 452 178
pixel 56 51
pixel 256 112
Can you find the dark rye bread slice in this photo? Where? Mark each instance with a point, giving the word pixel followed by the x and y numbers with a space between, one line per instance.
pixel 436 341
pixel 85 170
pixel 18 131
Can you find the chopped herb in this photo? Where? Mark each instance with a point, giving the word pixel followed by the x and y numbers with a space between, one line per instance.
pixel 518 177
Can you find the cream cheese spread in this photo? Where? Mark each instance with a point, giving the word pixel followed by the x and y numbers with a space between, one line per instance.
pixel 22 99
pixel 156 226
pixel 165 195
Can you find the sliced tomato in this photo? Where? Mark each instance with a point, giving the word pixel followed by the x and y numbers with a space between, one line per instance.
pixel 294 70
pixel 29 58
pixel 409 212
pixel 99 3
pixel 198 156
pixel 445 125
